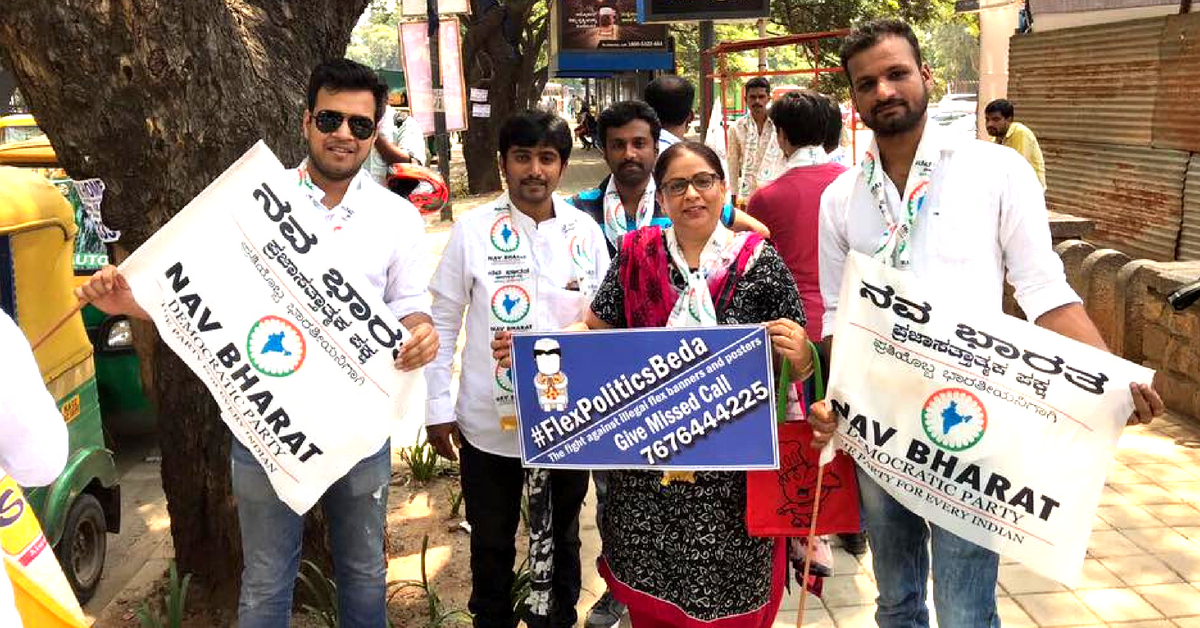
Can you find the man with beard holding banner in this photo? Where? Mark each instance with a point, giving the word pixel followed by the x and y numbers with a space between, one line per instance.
pixel 955 214
pixel 526 261
pixel 382 236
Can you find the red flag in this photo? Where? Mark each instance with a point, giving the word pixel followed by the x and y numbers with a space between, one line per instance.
pixel 780 502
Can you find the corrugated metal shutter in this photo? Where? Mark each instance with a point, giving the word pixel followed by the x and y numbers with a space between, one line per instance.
pixel 1095 83
pixel 1076 6
pixel 1133 193
pixel 1189 237
pixel 1175 122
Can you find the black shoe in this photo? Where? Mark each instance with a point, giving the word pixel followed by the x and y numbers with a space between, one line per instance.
pixel 854 544
pixel 606 612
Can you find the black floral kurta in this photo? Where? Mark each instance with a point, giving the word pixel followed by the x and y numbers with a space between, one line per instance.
pixel 687 543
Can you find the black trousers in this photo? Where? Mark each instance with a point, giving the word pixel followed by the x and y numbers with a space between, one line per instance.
pixel 492 487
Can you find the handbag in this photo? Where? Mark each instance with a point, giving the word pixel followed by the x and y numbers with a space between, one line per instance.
pixel 780 502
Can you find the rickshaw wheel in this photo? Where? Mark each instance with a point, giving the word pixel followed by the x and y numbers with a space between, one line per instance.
pixel 83 545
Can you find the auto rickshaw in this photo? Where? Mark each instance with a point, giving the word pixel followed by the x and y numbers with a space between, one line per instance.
pixel 125 407
pixel 18 127
pixel 37 239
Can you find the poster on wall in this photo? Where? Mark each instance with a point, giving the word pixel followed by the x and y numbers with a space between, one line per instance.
pixel 606 25
pixel 419 8
pixel 414 45
pixel 687 10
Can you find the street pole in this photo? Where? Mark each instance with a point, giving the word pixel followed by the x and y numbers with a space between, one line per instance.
pixel 762 52
pixel 441 140
pixel 707 41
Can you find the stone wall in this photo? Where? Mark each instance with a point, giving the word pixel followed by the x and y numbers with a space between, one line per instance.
pixel 1127 299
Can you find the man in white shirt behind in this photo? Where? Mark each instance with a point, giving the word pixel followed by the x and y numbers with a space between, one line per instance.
pixel 33 436
pixel 974 211
pixel 527 260
pixel 398 140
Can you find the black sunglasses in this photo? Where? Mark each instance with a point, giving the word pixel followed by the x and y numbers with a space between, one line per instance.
pixel 328 121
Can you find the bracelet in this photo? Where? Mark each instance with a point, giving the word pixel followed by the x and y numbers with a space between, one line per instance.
pixel 807 373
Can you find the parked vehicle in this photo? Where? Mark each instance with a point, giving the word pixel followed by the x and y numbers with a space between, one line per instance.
pixel 125 407
pixel 958 102
pixel 17 128
pixel 37 239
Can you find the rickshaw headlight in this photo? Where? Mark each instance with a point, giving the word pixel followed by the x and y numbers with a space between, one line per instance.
pixel 120 335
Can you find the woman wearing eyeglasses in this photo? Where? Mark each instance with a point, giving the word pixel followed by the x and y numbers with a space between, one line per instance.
pixel 675 545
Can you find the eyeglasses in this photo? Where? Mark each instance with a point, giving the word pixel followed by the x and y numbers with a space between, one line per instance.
pixel 701 181
pixel 328 121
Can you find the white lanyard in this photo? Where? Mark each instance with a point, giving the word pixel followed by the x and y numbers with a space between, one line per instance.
pixel 512 286
pixel 616 224
pixel 894 246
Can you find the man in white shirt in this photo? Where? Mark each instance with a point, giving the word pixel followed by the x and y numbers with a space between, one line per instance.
pixel 527 260
pixel 753 148
pixel 671 96
pixel 399 140
pixel 33 436
pixel 383 236
pixel 983 215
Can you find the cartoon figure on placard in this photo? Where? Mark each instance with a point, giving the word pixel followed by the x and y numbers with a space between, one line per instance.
pixel 550 381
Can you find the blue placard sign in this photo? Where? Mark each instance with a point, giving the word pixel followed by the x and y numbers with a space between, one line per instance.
pixel 664 398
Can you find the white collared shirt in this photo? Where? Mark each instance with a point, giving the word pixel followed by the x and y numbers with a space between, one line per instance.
pixel 33 436
pixel 985 215
pixel 406 136
pixel 666 139
pixel 380 235
pixel 753 152
pixel 461 283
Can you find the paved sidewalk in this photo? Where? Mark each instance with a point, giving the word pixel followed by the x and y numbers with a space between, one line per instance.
pixel 1143 564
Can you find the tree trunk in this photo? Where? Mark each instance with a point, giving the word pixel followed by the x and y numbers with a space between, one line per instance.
pixel 158 97
pixel 494 64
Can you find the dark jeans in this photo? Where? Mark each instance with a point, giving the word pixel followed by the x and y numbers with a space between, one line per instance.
pixel 492 487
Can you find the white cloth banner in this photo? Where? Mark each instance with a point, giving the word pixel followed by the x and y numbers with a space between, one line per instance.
pixel 986 425
pixel 297 352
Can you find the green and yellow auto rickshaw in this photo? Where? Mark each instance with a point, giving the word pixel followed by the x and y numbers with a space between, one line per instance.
pixel 37 241
pixel 124 404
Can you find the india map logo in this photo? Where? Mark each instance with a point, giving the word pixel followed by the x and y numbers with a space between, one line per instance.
pixel 954 418
pixel 504 378
pixel 504 238
pixel 579 252
pixel 275 346
pixel 510 304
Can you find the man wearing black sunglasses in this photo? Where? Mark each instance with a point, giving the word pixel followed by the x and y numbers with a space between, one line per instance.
pixel 382 234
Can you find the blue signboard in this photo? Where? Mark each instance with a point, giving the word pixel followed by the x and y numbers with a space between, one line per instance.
pixel 662 398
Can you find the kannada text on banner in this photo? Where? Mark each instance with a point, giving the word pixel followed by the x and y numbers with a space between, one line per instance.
pixel 989 426
pixel 247 284
pixel 672 398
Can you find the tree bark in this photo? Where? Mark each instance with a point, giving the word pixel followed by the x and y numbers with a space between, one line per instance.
pixel 157 98
pixel 494 64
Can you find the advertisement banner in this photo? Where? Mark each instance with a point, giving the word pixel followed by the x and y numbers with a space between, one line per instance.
pixel 246 285
pixel 423 102
pixel 995 429
pixel 677 399
pixel 419 8
pixel 85 197
pixel 688 10
pixel 606 25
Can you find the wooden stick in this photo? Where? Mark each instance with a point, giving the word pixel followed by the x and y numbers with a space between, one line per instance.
pixel 58 325
pixel 812 534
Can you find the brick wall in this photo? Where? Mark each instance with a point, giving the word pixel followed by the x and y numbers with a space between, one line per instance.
pixel 1127 299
